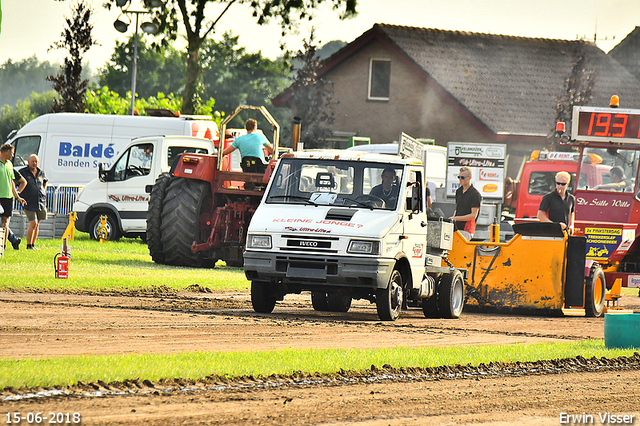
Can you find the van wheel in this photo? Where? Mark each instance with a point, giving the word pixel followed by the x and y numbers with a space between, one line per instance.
pixel 389 300
pixel 113 232
pixel 594 292
pixel 154 217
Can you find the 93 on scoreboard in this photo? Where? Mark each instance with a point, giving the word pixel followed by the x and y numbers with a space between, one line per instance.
pixel 605 124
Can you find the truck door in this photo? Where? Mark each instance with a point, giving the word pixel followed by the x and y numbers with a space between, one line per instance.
pixel 414 222
pixel 126 186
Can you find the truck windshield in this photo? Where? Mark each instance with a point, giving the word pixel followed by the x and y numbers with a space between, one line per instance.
pixel 609 169
pixel 338 183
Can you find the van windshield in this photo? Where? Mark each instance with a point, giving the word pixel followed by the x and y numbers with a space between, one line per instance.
pixel 338 183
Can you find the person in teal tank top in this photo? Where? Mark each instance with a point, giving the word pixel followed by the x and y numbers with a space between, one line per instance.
pixel 251 148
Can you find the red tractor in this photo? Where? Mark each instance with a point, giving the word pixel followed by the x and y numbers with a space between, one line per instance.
pixel 199 211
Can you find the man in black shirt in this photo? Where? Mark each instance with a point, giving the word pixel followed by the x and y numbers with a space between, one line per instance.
pixel 468 201
pixel 558 206
pixel 36 195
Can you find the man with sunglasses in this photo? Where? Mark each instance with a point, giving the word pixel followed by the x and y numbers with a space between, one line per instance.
pixel 468 201
pixel 559 205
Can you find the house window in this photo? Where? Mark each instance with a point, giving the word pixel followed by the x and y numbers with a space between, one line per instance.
pixel 379 77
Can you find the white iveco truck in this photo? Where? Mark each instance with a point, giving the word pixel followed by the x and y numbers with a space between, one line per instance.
pixel 319 228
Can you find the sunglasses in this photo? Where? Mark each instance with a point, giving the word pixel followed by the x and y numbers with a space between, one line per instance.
pixel 561 183
pixel 463 177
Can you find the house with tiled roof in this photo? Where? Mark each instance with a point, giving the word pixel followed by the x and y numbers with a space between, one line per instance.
pixel 461 86
pixel 627 52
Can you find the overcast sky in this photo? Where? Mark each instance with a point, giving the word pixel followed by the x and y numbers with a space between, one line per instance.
pixel 29 27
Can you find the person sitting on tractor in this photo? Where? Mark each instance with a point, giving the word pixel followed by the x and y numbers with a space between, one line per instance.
pixel 618 181
pixel 251 148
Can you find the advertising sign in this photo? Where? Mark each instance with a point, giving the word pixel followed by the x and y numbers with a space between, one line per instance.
pixel 601 242
pixel 487 164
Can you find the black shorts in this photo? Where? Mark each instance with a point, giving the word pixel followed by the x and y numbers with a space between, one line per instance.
pixel 7 205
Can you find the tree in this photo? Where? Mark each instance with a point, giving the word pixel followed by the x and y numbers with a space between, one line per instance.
pixel 312 96
pixel 13 118
pixel 191 14
pixel 19 79
pixel 160 69
pixel 233 77
pixel 578 90
pixel 77 39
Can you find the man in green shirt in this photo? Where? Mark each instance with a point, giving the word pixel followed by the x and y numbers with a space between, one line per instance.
pixel 7 188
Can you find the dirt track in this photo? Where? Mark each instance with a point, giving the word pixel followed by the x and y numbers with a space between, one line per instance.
pixel 48 325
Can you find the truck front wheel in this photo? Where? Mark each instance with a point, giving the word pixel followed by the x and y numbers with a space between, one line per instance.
pixel 319 301
pixel 263 296
pixel 451 295
pixel 338 302
pixel 389 300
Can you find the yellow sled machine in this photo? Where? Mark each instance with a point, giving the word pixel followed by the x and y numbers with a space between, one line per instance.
pixel 541 269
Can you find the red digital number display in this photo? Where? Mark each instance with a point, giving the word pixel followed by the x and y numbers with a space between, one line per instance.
pixel 609 125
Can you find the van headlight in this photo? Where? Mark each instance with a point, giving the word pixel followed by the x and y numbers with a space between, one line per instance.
pixel 363 247
pixel 259 241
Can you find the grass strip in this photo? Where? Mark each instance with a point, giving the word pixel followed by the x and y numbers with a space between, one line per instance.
pixel 68 371
pixel 123 265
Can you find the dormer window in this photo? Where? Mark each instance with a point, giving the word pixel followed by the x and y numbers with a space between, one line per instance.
pixel 379 78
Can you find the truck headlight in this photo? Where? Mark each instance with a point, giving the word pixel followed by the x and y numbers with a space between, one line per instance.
pixel 363 247
pixel 259 241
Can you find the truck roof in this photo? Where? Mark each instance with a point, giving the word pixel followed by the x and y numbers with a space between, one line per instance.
pixel 349 155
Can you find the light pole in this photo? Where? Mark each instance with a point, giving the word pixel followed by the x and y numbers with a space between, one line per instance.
pixel 147 27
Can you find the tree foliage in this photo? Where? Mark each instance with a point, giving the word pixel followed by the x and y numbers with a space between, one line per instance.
pixel 13 118
pixel 312 99
pixel 77 39
pixel 233 77
pixel 198 26
pixel 160 69
pixel 578 90
pixel 19 79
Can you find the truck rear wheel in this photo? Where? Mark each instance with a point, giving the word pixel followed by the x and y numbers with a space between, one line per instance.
pixel 430 307
pixel 263 296
pixel 389 300
pixel 319 301
pixel 338 302
pixel 185 201
pixel 451 295
pixel 595 291
pixel 154 217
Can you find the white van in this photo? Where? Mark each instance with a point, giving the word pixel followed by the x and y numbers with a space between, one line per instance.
pixel 434 157
pixel 121 192
pixel 71 145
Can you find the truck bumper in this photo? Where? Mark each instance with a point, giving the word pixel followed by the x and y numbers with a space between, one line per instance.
pixel 312 271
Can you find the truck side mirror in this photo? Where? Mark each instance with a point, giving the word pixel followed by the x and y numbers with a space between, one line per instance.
pixel 413 198
pixel 104 174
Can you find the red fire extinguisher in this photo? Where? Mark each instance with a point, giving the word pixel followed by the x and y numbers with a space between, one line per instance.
pixel 61 261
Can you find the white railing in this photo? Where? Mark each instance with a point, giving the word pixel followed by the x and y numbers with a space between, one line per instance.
pixel 60 199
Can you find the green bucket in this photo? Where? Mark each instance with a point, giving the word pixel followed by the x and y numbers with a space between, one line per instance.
pixel 621 331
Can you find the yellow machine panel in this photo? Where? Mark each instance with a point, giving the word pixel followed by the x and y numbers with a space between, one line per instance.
pixel 524 273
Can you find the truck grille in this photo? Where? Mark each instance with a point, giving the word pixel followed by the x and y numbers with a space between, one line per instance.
pixel 302 243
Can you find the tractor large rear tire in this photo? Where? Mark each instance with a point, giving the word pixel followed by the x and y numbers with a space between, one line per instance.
pixel 451 295
pixel 154 217
pixel 185 201
pixel 594 292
